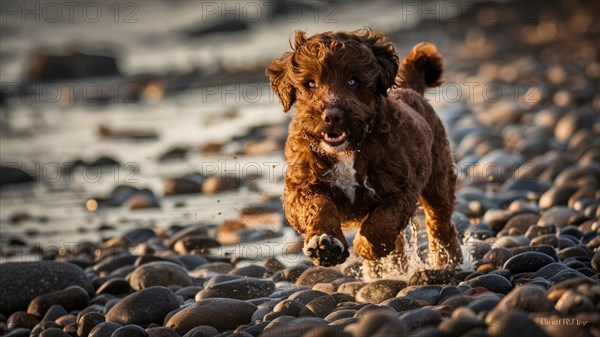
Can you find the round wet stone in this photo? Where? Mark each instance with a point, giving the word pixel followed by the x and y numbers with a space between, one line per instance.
pixel 379 291
pixel 73 297
pixel 220 313
pixel 156 302
pixel 241 289
pixel 104 329
pixel 314 275
pixel 430 293
pixel 527 262
pixel 21 282
pixel 159 274
pixel 492 282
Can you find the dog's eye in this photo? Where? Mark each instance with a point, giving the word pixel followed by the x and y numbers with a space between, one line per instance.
pixel 353 82
pixel 311 84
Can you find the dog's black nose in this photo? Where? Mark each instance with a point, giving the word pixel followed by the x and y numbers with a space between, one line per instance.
pixel 332 116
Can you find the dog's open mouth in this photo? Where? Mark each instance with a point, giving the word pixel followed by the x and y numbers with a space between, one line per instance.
pixel 334 138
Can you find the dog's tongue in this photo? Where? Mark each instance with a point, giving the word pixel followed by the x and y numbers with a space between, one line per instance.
pixel 334 137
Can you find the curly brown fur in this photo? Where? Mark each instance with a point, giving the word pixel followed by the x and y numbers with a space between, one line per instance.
pixel 365 146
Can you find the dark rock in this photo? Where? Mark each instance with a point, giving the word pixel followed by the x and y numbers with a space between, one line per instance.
pixel 528 298
pixel 104 329
pixel 66 319
pixel 379 325
pixel 74 65
pixel 290 308
pixel 188 292
pixel 379 291
pixel 573 121
pixel 54 312
pixel 192 262
pixel 351 288
pixel 373 309
pixel 292 328
pixel 202 331
pixel 112 263
pixel 176 153
pixel 545 249
pixel 527 262
pixel 197 230
pixel 495 283
pixel 220 313
pixel 320 306
pixel 156 302
pixel 420 318
pixel 509 241
pixel 545 239
pixel 21 319
pixel 142 199
pixel 12 175
pixel 556 196
pixel 241 289
pixel 138 235
pixel 219 27
pixel 104 161
pixel 560 216
pixel 195 244
pixel 484 303
pixel 535 231
pixel 88 322
pixel 449 291
pixel 305 296
pixel 114 286
pixel 460 326
pixel 161 331
pixel 429 293
pixel 250 271
pixel 219 184
pixel 183 185
pixel 54 332
pixel 431 276
pixel 521 222
pixel 71 298
pixel 23 281
pixel 314 275
pixel 575 251
pixel 130 331
pixel 159 274
pixel 573 302
pixel 340 314
pixel 401 304
pixel 550 270
pixel 19 332
pixel 497 256
pixel 514 323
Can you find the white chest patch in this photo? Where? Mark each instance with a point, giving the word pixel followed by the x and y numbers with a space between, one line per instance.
pixel 343 175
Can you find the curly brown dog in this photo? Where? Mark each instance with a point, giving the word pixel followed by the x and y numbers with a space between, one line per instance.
pixel 365 146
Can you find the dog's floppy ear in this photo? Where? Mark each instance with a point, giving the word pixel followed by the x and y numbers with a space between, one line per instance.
pixel 386 56
pixel 279 73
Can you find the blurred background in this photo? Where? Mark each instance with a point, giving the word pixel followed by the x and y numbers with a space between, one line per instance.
pixel 120 115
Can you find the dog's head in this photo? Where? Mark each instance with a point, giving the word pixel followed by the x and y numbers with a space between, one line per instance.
pixel 336 81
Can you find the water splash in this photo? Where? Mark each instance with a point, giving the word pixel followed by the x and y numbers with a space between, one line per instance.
pixel 415 259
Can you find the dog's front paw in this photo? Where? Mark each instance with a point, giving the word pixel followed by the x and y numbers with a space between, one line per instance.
pixel 324 250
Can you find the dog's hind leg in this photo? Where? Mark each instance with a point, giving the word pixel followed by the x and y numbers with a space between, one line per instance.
pixel 438 202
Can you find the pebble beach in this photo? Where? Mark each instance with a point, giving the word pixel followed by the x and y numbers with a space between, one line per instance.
pixel 161 217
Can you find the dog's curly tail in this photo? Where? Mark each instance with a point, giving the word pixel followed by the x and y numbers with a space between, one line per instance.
pixel 422 68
